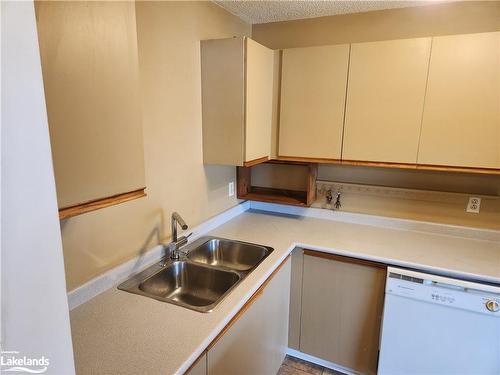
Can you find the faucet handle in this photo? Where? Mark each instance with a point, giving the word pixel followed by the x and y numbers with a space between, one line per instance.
pixel 181 241
pixel 168 250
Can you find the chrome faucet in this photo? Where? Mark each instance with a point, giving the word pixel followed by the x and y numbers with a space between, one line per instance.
pixel 176 218
pixel 176 243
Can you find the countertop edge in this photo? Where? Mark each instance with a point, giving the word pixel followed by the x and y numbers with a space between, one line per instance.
pixel 398 263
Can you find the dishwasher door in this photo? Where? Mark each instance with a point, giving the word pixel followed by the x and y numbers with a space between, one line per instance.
pixel 437 325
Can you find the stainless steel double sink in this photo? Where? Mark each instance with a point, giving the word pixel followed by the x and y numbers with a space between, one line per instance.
pixel 209 268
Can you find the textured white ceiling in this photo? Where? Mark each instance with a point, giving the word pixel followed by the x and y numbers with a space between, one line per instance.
pixel 263 11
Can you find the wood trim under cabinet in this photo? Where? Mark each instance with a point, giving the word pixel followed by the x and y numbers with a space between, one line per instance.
pixel 247 305
pixel 345 259
pixel 381 164
pixel 303 159
pixel 365 163
pixel 97 204
pixel 251 163
pixel 446 168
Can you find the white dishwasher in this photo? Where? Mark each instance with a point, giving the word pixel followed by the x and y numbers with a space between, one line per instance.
pixel 437 325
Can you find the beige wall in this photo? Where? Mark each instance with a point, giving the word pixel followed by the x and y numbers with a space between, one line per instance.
pixel 439 19
pixel 176 179
pixel 423 202
pixel 90 70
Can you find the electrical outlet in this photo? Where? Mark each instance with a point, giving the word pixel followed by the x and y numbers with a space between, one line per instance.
pixel 474 205
pixel 231 189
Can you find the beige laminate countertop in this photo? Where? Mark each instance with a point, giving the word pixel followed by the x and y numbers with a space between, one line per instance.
pixel 122 333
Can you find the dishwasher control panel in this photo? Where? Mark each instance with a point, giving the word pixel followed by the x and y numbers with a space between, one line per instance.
pixel 437 290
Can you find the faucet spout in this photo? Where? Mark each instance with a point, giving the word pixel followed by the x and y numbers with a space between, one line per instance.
pixel 177 219
pixel 176 243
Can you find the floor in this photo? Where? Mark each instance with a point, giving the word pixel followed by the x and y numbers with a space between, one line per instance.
pixel 295 366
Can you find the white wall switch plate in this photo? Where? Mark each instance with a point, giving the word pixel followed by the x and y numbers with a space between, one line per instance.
pixel 231 189
pixel 474 205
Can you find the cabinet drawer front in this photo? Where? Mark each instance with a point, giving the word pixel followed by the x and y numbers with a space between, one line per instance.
pixel 461 122
pixel 313 88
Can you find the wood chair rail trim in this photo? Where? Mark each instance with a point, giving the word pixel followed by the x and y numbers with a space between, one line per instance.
pixel 97 204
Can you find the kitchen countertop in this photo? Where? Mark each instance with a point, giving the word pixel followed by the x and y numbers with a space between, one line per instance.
pixel 123 333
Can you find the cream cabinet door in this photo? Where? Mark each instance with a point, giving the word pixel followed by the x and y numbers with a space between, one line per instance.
pixel 237 100
pixel 461 121
pixel 385 100
pixel 313 89
pixel 257 341
pixel 342 304
pixel 222 97
pixel 259 100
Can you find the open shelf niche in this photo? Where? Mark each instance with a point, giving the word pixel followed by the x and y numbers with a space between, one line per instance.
pixel 276 181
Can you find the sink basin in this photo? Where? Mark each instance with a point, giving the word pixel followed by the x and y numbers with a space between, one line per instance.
pixel 207 271
pixel 190 285
pixel 235 255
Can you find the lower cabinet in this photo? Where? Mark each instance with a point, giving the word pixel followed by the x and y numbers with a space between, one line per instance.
pixel 341 310
pixel 199 367
pixel 324 305
pixel 255 340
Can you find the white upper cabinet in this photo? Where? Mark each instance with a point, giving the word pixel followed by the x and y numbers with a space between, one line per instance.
pixel 385 100
pixel 461 121
pixel 259 101
pixel 237 101
pixel 313 89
